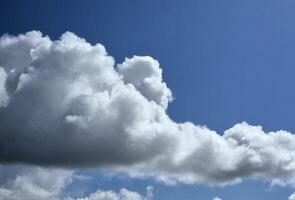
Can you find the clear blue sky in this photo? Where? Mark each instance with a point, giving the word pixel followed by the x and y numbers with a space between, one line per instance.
pixel 225 62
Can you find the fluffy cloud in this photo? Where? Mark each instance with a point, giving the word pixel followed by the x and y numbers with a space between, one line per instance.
pixel 3 94
pixel 146 75
pixel 65 103
pixel 123 194
pixel 34 183
pixel 216 198
pixel 292 197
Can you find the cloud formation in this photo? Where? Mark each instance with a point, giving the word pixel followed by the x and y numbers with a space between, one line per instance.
pixel 65 103
pixel 123 194
pixel 32 183
pixel 36 183
pixel 292 197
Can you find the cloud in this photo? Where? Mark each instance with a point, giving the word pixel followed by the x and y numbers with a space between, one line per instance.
pixel 283 183
pixel 35 183
pixel 32 183
pixel 146 75
pixel 65 103
pixel 3 94
pixel 292 197
pixel 216 198
pixel 123 194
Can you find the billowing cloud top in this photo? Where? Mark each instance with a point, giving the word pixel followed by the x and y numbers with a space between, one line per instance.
pixel 65 103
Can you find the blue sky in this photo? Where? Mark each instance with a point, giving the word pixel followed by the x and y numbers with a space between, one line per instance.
pixel 231 60
pixel 225 61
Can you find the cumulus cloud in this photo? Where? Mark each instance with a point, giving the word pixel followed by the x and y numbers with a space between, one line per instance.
pixel 3 94
pixel 146 75
pixel 34 183
pixel 216 198
pixel 66 103
pixel 123 194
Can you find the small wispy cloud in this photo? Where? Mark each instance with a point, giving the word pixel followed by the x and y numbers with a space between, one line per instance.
pixel 123 194
pixel 216 198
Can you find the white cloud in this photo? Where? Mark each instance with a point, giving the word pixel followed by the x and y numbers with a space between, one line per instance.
pixel 123 194
pixel 32 183
pixel 3 94
pixel 216 198
pixel 64 103
pixel 292 197
pixel 283 182
pixel 146 75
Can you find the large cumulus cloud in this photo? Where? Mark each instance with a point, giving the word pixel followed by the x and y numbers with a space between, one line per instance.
pixel 66 103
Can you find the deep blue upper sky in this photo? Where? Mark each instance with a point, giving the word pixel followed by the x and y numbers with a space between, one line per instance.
pixel 225 61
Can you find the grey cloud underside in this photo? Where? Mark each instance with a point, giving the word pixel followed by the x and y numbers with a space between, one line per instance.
pixel 65 103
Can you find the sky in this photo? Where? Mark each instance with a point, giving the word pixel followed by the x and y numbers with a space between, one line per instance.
pixel 79 120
